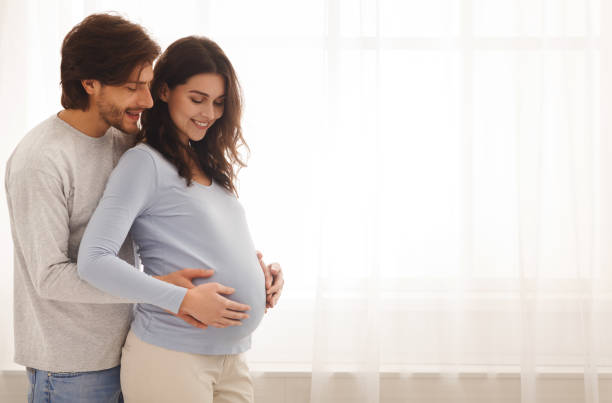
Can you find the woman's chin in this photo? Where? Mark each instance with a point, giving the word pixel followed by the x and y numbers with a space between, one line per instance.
pixel 196 138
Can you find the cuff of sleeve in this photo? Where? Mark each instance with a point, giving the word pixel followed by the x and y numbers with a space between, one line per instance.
pixel 173 298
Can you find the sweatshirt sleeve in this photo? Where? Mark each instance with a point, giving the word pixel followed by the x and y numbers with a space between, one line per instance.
pixel 40 229
pixel 129 194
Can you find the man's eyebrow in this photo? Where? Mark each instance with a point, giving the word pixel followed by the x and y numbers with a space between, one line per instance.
pixel 205 94
pixel 137 82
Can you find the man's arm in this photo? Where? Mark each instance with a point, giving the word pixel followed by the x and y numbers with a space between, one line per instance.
pixel 40 230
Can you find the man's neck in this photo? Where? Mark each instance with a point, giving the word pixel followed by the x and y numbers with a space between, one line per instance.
pixel 88 122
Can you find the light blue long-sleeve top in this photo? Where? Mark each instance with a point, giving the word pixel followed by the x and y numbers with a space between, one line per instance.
pixel 175 226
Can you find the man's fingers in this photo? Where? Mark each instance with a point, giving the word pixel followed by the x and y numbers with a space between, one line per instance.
pixel 196 273
pixel 278 285
pixel 275 299
pixel 192 321
pixel 268 301
pixel 266 272
pixel 274 289
pixel 277 274
pixel 275 268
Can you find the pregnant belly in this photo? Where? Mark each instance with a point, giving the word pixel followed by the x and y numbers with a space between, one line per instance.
pixel 249 289
pixel 243 275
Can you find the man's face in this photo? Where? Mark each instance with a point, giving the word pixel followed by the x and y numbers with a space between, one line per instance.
pixel 120 106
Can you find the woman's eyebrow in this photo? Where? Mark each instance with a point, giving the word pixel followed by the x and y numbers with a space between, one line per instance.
pixel 205 94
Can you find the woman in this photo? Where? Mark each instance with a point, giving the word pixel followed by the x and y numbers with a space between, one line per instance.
pixel 175 191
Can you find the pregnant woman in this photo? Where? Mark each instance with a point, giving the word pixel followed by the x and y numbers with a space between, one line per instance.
pixel 175 191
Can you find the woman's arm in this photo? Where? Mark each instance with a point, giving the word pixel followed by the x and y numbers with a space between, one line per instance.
pixel 129 192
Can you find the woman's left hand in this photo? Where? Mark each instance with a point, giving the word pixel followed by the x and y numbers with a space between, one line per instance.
pixel 273 274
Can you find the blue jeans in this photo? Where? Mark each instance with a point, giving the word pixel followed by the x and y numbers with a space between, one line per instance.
pixel 73 387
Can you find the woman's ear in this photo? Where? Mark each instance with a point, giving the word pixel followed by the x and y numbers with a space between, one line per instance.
pixel 163 92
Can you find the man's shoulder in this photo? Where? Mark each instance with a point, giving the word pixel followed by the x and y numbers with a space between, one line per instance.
pixel 48 134
pixel 41 147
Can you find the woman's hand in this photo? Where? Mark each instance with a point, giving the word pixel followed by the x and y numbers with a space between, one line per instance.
pixel 184 278
pixel 206 304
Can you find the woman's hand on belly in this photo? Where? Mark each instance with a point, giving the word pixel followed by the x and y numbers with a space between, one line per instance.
pixel 184 278
pixel 206 304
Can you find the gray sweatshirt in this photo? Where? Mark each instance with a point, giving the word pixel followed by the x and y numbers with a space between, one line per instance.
pixel 54 180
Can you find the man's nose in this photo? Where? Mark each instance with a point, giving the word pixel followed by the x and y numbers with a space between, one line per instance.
pixel 145 100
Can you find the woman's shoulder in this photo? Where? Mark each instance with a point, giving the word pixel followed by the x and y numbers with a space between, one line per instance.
pixel 140 154
pixel 154 155
pixel 140 146
pixel 163 167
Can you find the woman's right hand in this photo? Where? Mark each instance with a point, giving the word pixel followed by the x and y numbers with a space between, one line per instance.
pixel 206 304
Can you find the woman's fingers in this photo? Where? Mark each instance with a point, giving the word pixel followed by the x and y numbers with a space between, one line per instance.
pixel 224 322
pixel 234 315
pixel 235 306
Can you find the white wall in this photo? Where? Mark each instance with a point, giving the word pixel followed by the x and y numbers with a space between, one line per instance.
pixel 295 388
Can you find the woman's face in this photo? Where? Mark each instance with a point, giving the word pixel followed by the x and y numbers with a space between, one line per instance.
pixel 195 105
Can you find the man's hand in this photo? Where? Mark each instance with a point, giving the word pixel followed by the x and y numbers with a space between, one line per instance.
pixel 184 278
pixel 273 274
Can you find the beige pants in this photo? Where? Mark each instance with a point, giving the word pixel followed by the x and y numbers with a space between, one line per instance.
pixel 153 374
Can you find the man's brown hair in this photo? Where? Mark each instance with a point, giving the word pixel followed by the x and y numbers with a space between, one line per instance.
pixel 103 47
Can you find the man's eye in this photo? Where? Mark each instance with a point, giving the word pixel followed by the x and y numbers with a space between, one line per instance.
pixel 132 89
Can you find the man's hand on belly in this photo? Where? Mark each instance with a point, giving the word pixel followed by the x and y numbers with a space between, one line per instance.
pixel 273 274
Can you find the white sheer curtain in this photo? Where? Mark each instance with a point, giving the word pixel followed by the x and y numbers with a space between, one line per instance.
pixel 434 176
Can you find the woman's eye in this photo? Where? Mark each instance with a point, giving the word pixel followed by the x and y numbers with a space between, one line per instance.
pixel 219 103
pixel 196 101
pixel 132 89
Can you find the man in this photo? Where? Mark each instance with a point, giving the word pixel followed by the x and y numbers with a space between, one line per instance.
pixel 68 334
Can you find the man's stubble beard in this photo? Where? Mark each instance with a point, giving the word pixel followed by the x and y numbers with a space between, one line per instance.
pixel 113 116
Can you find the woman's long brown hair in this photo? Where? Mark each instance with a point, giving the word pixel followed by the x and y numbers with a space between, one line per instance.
pixel 217 153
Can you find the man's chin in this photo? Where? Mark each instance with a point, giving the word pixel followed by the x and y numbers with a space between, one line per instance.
pixel 127 129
